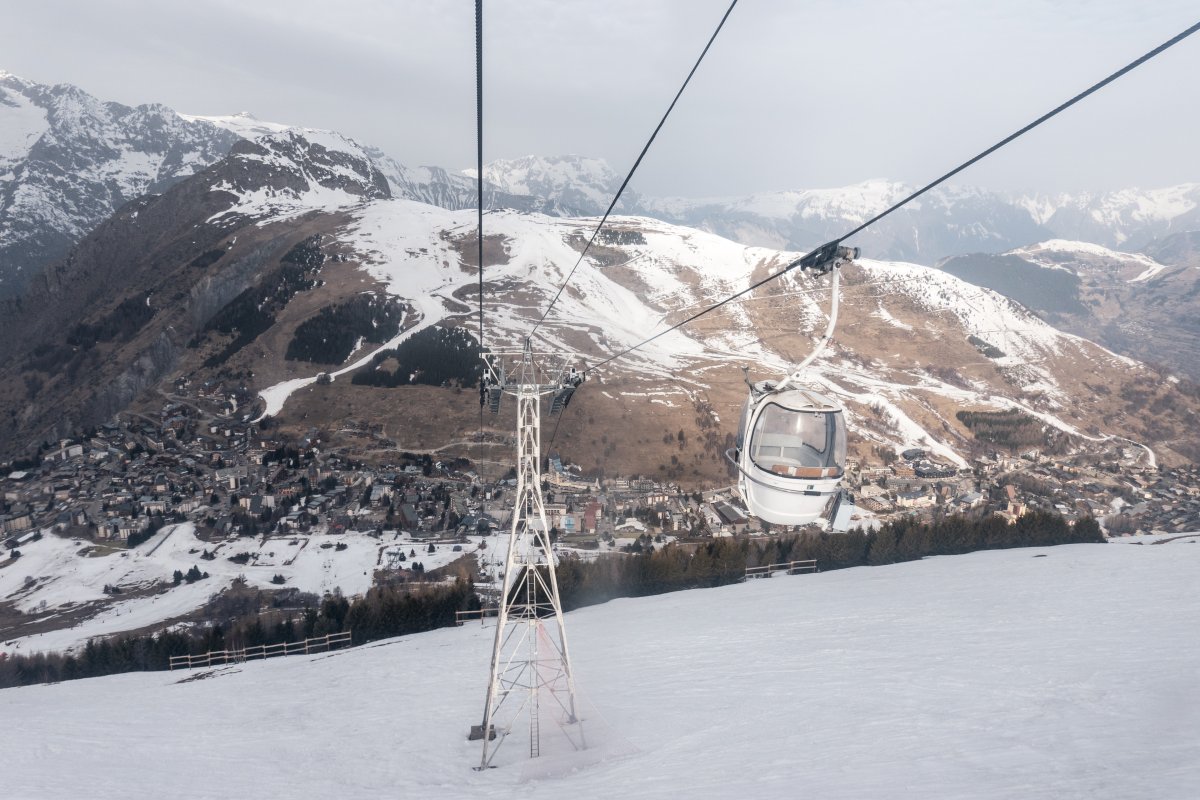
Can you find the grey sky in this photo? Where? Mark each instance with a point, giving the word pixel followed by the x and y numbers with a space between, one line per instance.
pixel 793 94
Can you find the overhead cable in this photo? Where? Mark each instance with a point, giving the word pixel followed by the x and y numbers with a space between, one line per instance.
pixel 633 169
pixel 896 206
pixel 479 174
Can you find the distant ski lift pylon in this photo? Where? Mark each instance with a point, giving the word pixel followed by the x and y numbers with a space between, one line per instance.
pixel 791 444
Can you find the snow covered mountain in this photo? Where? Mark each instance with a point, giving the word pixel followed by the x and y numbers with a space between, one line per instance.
pixel 948 221
pixel 1132 302
pixel 1128 218
pixel 952 677
pixel 68 160
pixel 907 356
pixel 905 360
pixel 572 185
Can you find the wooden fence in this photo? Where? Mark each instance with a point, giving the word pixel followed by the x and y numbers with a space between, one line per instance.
pixel 790 567
pixel 462 616
pixel 317 644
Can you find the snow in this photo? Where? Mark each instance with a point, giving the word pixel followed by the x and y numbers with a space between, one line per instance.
pixel 244 124
pixel 1090 255
pixel 1064 673
pixel 409 247
pixel 308 561
pixel 271 204
pixel 1119 214
pixel 854 204
pixel 23 123
pixel 557 177
pixel 882 313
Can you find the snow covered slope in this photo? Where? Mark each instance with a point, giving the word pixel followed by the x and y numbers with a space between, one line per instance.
pixel 574 184
pixel 1065 673
pixel 243 124
pixel 949 221
pixel 1085 257
pixel 297 171
pixel 64 578
pixel 653 272
pixel 1126 218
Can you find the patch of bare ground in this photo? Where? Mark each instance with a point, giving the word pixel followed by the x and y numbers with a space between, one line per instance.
pixel 495 249
pixel 614 426
pixel 212 673
pixel 265 357
pixel 15 623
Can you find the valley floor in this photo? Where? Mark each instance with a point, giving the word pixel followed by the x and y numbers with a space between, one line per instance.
pixel 1066 672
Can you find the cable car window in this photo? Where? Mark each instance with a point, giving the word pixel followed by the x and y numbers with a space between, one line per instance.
pixel 799 444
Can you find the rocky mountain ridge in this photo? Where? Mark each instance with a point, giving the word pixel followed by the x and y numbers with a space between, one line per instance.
pixel 68 161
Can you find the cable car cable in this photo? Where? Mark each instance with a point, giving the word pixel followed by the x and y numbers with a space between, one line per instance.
pixel 633 169
pixel 927 187
pixel 479 175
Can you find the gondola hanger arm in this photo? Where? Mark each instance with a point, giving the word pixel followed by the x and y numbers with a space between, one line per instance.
pixel 827 258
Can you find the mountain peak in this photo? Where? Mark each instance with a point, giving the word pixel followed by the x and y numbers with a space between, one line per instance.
pixel 242 124
pixel 583 183
pixel 298 170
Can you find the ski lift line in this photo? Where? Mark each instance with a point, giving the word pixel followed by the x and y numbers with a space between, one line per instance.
pixel 479 152
pixel 479 171
pixel 635 166
pixel 927 187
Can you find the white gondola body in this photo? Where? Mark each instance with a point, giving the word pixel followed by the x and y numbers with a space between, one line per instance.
pixel 791 454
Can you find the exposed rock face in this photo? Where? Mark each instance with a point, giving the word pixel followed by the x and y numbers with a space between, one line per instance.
pixel 68 161
pixel 184 255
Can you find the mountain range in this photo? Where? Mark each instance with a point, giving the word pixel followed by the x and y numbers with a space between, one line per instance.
pixel 68 160
pixel 209 276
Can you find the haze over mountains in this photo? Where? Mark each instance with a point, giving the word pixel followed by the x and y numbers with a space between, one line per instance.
pixel 68 160
pixel 140 298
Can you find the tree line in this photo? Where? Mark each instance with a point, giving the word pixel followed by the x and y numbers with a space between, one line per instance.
pixel 383 612
pixel 986 348
pixel 722 561
pixel 435 356
pixel 253 311
pixel 330 336
pixel 1010 428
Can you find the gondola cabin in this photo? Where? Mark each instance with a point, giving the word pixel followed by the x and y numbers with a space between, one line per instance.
pixel 791 452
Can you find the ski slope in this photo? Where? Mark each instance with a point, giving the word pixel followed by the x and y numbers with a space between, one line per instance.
pixel 1066 672
pixel 68 576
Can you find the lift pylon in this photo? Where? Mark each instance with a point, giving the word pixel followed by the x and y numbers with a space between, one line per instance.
pixel 530 680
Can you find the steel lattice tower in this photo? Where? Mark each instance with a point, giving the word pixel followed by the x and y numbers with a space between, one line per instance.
pixel 530 676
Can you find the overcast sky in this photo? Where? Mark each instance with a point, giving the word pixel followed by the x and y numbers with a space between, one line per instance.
pixel 792 95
